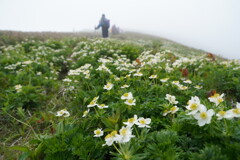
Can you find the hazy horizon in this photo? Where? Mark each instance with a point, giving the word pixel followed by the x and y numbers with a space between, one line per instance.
pixel 210 25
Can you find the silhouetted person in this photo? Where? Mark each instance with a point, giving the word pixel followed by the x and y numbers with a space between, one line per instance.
pixel 104 23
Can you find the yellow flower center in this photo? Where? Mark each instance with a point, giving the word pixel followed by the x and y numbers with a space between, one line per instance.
pixel 215 95
pixel 108 136
pixel 125 95
pixel 102 105
pixel 123 131
pixel 203 115
pixel 193 106
pixel 173 109
pixel 85 112
pixel 113 133
pixel 165 111
pixel 142 121
pixel 236 111
pixel 220 100
pixel 98 132
pixel 222 113
pixel 92 102
pixel 131 120
pixel 130 101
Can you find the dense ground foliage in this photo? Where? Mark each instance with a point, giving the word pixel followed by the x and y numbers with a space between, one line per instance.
pixel 113 99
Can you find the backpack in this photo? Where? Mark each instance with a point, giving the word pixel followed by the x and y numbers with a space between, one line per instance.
pixel 106 23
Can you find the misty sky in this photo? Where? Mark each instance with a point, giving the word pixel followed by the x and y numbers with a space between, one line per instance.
pixel 211 25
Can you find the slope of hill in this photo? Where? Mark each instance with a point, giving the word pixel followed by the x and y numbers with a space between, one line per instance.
pixel 132 96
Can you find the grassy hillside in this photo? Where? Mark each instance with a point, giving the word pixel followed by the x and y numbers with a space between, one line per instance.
pixel 132 96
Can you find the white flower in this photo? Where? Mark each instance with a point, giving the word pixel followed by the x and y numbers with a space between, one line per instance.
pixel 108 86
pixel 198 87
pixel 67 80
pixel 131 121
pixel 111 137
pixel 101 106
pixel 204 116
pixel 153 77
pixel 18 88
pixel 142 122
pixel 176 82
pixel 63 113
pixel 98 132
pixel 138 74
pixel 164 79
pixel 224 114
pixel 171 99
pixel 188 81
pixel 124 86
pixel 174 109
pixel 92 104
pixel 194 105
pixel 125 134
pixel 85 113
pixel 182 87
pixel 130 102
pixel 236 111
pixel 216 98
pixel 127 96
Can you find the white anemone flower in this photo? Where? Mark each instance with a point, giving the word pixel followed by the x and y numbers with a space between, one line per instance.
pixel 92 104
pixel 85 113
pixel 153 77
pixel 198 87
pixel 18 88
pixel 111 138
pixel 98 132
pixel 216 98
pixel 224 114
pixel 130 102
pixel 171 99
pixel 127 96
pixel 204 116
pixel 124 86
pixel 164 80
pixel 138 74
pixel 188 81
pixel 142 122
pixel 108 86
pixel 236 111
pixel 125 134
pixel 194 105
pixel 102 106
pixel 63 113
pixel 131 121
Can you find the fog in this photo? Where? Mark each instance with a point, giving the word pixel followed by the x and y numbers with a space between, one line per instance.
pixel 211 25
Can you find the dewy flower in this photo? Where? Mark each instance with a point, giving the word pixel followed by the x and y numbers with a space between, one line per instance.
pixel 125 134
pixel 153 77
pixel 216 98
pixel 194 105
pixel 102 106
pixel 63 113
pixel 111 137
pixel 124 86
pixel 130 102
pixel 142 122
pixel 164 79
pixel 18 88
pixel 98 132
pixel 131 121
pixel 85 113
pixel 171 99
pixel 204 116
pixel 108 86
pixel 127 96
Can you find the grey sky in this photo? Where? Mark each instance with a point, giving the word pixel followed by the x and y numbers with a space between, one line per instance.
pixel 211 25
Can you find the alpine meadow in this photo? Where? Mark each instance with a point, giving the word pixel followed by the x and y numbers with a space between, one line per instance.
pixel 128 97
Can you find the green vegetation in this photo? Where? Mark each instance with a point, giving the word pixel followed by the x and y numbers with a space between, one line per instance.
pixel 127 97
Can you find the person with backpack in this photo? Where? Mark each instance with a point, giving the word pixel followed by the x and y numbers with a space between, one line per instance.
pixel 104 23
